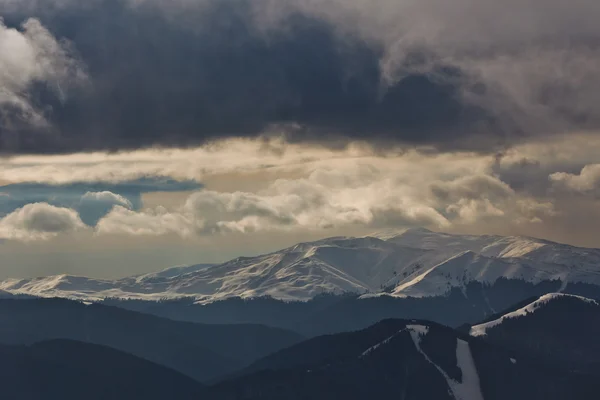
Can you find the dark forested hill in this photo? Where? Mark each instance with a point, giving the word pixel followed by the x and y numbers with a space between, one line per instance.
pixel 555 328
pixel 200 351
pixel 402 359
pixel 71 370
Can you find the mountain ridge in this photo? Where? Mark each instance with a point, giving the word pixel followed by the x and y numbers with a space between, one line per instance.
pixel 555 327
pixel 530 308
pixel 415 263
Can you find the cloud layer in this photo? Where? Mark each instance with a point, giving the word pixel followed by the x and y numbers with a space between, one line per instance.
pixel 470 74
pixel 331 199
pixel 261 187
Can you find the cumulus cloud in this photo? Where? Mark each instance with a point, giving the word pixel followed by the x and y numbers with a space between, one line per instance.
pixel 39 221
pixel 586 182
pixel 156 221
pixel 470 74
pixel 31 56
pixel 94 205
pixel 473 198
pixel 472 188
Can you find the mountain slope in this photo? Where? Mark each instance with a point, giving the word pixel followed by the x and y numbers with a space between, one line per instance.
pixel 416 263
pixel 70 370
pixel 405 359
pixel 300 272
pixel 199 351
pixel 556 328
pixel 464 268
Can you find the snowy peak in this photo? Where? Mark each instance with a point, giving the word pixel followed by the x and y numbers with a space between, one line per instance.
pixel 173 272
pixel 488 245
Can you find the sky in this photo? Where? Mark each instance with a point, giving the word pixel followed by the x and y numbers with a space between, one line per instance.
pixel 141 134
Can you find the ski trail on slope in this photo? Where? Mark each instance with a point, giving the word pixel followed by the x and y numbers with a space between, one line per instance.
pixel 469 388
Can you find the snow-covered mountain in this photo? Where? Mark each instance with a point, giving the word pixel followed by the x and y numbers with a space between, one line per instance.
pixel 415 263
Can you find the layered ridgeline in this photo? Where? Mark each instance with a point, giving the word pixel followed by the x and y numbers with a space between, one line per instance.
pixel 416 263
pixel 557 328
pixel 202 352
pixel 403 359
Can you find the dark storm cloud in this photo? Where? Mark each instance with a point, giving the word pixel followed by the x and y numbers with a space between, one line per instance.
pixel 156 81
pixel 183 72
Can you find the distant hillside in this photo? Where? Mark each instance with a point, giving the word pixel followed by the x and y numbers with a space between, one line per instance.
pixel 200 351
pixel 555 328
pixel 71 370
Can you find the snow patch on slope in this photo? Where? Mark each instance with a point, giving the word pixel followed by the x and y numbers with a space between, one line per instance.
pixel 468 388
pixel 481 329
pixel 382 343
pixel 418 331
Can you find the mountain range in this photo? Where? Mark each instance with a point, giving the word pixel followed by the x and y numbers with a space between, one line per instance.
pixel 416 263
pixel 340 284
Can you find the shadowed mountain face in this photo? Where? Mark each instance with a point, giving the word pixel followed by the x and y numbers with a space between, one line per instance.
pixel 403 359
pixel 200 351
pixel 557 328
pixel 70 370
